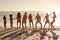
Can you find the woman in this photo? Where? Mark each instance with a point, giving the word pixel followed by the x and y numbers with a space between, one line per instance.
pixel 4 18
pixel 11 20
pixel 18 19
pixel 54 17
pixel 38 17
pixel 30 20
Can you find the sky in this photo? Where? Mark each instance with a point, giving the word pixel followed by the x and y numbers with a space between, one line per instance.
pixel 29 5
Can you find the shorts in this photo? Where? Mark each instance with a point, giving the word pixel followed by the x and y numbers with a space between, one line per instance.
pixel 23 21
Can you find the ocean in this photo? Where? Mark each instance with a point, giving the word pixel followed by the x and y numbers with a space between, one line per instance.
pixel 14 13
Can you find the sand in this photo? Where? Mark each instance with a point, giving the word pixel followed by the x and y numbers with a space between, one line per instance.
pixel 28 34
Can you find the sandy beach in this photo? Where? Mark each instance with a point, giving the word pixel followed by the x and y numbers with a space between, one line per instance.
pixel 29 34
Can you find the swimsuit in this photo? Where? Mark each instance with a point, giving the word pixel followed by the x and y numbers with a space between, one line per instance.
pixel 19 20
pixel 24 21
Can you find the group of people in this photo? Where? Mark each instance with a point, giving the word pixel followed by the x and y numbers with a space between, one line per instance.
pixel 23 20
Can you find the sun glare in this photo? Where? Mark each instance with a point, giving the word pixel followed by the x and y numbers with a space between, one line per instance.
pixel 57 21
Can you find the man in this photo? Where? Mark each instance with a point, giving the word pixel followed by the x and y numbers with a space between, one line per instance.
pixel 47 20
pixel 38 17
pixel 24 20
pixel 30 20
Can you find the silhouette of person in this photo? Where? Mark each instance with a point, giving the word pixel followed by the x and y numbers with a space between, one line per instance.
pixel 54 17
pixel 24 20
pixel 18 19
pixel 30 20
pixel 47 20
pixel 11 20
pixel 4 18
pixel 38 17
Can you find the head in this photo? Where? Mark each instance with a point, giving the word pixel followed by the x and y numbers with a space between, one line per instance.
pixel 25 13
pixel 4 15
pixel 10 15
pixel 54 13
pixel 30 14
pixel 37 13
pixel 18 13
pixel 46 13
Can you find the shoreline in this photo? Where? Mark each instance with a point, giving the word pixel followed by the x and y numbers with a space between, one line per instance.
pixel 2 29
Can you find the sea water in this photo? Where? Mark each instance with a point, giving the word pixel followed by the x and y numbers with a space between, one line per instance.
pixel 34 13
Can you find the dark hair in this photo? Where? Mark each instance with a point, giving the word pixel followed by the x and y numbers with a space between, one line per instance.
pixel 10 15
pixel 18 13
pixel 53 12
pixel 4 16
pixel 37 13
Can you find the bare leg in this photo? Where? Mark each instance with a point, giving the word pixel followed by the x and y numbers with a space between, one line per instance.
pixel 41 25
pixel 45 25
pixel 11 24
pixel 52 24
pixel 54 27
pixel 33 25
pixel 36 25
pixel 29 24
pixel 5 26
pixel 20 24
pixel 49 26
pixel 25 26
pixel 17 25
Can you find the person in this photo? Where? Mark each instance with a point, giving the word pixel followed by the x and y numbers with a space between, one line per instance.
pixel 38 17
pixel 18 19
pixel 4 18
pixel 11 21
pixel 24 20
pixel 47 20
pixel 30 20
pixel 54 17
